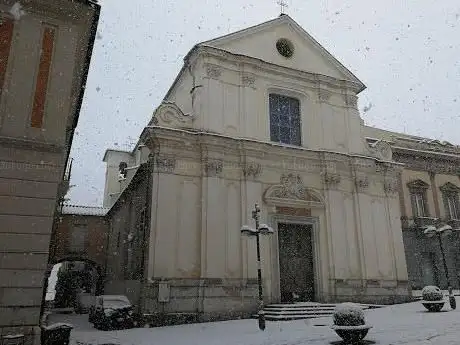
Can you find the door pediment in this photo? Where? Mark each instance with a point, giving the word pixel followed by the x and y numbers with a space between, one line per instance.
pixel 291 192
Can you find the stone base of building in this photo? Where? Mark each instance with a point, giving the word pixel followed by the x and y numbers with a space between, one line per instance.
pixel 371 292
pixel 31 335
pixel 179 301
pixel 199 300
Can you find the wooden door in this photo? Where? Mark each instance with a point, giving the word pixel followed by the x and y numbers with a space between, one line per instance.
pixel 296 262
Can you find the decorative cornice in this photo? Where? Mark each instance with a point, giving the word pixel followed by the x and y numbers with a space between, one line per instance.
pixel 420 162
pixel 213 71
pixel 351 100
pixel 252 169
pixel 381 149
pixel 391 186
pixel 169 114
pixel 324 95
pixel 165 164
pixel 427 145
pixel 213 168
pixel 331 180
pixel 248 80
pixel 361 183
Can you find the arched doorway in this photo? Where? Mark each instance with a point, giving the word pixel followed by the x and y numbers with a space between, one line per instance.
pixel 71 284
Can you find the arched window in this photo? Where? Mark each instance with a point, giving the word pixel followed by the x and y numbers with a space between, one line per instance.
pixel 284 119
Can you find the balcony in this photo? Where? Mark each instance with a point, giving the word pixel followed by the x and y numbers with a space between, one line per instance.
pixel 422 222
pixel 454 223
pixel 418 222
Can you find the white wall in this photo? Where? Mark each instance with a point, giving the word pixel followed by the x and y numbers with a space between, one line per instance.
pixel 228 105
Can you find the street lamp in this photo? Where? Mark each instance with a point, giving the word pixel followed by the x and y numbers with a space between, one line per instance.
pixel 261 229
pixel 444 230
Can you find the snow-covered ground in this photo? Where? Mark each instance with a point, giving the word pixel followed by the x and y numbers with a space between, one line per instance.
pixel 399 324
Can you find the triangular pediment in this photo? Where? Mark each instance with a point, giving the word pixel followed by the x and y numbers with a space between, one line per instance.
pixel 308 55
pixel 449 187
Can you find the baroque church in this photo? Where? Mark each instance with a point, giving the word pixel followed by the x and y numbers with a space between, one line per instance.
pixel 267 116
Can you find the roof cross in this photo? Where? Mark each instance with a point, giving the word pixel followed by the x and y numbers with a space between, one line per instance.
pixel 283 5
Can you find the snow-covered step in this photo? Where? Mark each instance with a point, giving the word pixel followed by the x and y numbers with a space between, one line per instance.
pixel 303 310
pixel 292 317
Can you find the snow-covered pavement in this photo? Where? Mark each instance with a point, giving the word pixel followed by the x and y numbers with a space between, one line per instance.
pixel 399 324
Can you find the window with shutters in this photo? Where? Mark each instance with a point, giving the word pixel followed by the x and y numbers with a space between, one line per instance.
pixel 284 119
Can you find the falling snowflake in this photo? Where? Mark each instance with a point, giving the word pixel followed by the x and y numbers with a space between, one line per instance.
pixel 16 11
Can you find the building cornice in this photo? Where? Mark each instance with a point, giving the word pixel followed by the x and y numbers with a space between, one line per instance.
pixel 429 162
pixel 187 139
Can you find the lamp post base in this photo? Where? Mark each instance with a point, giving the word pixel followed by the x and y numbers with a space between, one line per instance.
pixel 261 320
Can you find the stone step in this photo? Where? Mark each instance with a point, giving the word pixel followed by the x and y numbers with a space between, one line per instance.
pixel 306 313
pixel 298 310
pixel 303 310
pixel 303 305
pixel 292 317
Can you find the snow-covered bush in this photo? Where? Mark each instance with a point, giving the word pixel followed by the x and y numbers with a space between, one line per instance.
pixel 432 293
pixel 348 314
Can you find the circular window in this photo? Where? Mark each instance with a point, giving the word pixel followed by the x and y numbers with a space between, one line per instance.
pixel 285 47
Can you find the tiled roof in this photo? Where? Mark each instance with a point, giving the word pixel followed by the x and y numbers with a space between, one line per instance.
pixel 84 210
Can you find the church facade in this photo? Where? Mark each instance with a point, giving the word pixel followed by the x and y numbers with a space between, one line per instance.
pixel 265 115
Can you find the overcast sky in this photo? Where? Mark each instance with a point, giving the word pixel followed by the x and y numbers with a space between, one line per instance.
pixel 406 52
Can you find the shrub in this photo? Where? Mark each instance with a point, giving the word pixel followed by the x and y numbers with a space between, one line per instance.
pixel 348 314
pixel 432 293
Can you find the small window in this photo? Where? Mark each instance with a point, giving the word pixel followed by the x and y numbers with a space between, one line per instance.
pixel 284 119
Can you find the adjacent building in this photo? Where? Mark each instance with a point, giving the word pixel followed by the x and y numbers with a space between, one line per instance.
pixel 429 189
pixel 81 235
pixel 45 51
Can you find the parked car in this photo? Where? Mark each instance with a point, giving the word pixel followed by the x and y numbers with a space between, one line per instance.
pixel 111 312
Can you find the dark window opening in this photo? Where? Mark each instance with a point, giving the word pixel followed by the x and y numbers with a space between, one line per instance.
pixel 284 119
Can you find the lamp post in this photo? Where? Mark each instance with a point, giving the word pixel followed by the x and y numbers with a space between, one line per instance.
pixel 261 229
pixel 444 230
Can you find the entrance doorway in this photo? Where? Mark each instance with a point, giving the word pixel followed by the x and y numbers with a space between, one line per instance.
pixel 297 278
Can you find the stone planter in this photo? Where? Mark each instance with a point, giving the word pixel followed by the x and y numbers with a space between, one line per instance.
pixel 433 300
pixel 350 323
pixel 351 334
pixel 433 306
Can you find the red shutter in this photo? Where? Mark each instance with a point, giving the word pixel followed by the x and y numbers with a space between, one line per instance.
pixel 6 36
pixel 41 87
